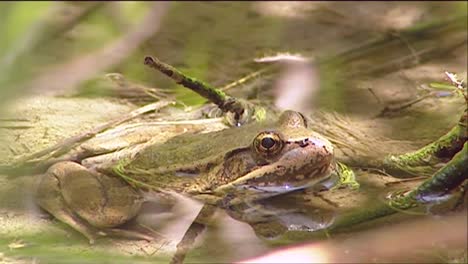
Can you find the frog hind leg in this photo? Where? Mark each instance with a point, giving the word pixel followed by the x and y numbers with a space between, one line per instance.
pixel 195 229
pixel 91 203
pixel 49 198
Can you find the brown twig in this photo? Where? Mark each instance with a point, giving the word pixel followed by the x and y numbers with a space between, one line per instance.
pixel 245 79
pixel 123 88
pixel 405 180
pixel 375 95
pixel 225 102
pixel 393 109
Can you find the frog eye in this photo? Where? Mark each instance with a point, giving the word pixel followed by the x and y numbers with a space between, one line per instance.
pixel 268 143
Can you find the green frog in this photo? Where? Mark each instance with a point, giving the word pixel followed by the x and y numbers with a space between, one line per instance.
pixel 222 168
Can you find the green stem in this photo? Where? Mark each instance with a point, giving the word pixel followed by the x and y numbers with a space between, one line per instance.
pixel 216 96
pixel 452 175
pixel 243 111
pixel 422 161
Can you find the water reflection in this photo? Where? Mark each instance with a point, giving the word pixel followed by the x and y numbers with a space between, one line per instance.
pixel 238 232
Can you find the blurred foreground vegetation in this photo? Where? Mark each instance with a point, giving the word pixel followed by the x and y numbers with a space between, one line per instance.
pixel 370 56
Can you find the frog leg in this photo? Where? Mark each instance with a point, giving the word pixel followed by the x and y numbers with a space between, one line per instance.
pixel 195 229
pixel 49 197
pixel 87 201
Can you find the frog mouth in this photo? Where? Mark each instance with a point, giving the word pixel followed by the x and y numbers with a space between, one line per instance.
pixel 278 183
pixel 304 163
pixel 297 182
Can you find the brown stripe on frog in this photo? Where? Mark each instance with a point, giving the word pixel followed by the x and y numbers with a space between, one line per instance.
pixel 317 165
pixel 236 164
pixel 195 170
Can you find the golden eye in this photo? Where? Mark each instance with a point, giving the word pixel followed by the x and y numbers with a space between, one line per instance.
pixel 269 143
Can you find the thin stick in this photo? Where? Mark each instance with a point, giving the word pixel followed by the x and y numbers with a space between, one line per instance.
pixel 390 109
pixel 225 102
pixel 405 180
pixel 245 79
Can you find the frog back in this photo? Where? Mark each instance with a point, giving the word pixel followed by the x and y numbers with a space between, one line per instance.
pixel 192 153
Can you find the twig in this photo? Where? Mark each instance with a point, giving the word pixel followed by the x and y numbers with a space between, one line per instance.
pixel 245 79
pixel 203 89
pixel 392 109
pixel 407 44
pixel 375 95
pixel 417 33
pixel 124 88
pixel 14 120
pixel 225 102
pixel 16 127
pixel 187 122
pixel 405 180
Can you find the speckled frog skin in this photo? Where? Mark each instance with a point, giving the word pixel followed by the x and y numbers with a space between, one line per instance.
pixel 251 162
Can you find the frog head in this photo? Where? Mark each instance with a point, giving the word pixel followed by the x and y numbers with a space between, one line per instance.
pixel 284 157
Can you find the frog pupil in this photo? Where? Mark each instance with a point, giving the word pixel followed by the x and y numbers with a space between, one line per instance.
pixel 268 142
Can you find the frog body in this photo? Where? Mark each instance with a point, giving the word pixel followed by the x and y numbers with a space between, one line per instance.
pixel 245 163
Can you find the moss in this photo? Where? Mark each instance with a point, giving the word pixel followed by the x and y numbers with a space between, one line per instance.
pixel 260 114
pixel 347 177
pixel 422 161
pixel 444 180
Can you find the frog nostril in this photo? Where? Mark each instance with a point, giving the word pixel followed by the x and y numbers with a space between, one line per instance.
pixel 304 143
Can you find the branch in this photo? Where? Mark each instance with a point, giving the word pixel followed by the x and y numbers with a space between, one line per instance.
pixel 243 111
pixel 421 161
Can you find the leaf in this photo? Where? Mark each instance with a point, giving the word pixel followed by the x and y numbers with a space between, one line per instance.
pixel 442 86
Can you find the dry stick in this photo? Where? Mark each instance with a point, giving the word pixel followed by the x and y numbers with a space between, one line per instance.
pixel 225 102
pixel 406 180
pixel 65 145
pixel 361 50
pixel 16 127
pixel 390 109
pixel 406 61
pixel 245 79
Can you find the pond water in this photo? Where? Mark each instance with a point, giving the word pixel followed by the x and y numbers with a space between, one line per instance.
pixel 362 58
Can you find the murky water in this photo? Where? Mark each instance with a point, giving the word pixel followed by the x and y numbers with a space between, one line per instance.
pixel 217 43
